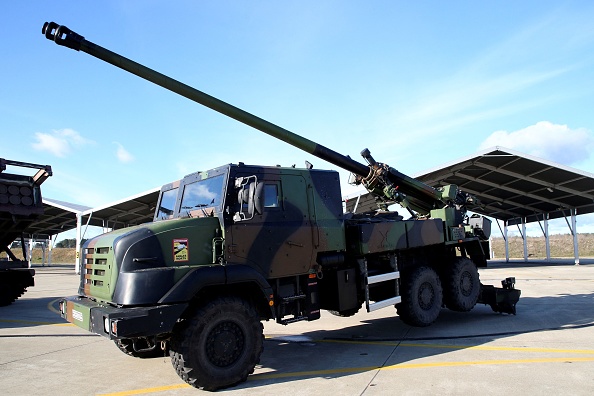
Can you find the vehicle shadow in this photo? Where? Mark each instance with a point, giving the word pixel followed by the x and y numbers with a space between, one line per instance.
pixel 29 312
pixel 520 263
pixel 372 344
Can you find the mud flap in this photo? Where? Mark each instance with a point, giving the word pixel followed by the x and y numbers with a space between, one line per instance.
pixel 501 300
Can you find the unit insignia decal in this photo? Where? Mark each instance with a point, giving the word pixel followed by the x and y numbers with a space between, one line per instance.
pixel 180 250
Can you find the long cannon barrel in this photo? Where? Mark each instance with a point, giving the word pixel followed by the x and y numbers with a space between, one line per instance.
pixel 425 196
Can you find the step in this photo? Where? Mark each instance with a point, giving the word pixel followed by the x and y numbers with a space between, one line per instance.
pixel 383 277
pixel 384 303
pixel 292 320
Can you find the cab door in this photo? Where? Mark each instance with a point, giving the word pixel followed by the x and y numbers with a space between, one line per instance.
pixel 279 240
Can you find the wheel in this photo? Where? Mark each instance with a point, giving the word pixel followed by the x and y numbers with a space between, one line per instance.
pixel 421 298
pixel 145 348
pixel 461 285
pixel 218 345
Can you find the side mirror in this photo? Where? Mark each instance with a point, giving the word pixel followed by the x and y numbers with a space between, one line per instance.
pixel 250 198
pixel 258 198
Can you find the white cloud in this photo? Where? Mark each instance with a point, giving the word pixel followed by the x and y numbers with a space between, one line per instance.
pixel 59 142
pixel 123 155
pixel 544 139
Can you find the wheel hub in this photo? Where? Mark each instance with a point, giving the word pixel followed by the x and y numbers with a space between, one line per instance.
pixel 426 296
pixel 466 284
pixel 224 344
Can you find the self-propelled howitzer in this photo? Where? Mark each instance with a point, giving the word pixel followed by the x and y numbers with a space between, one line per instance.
pixel 386 183
pixel 240 243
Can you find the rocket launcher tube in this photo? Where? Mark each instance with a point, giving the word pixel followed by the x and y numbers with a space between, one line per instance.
pixel 426 196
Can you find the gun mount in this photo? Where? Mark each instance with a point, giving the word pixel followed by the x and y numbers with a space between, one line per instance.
pixel 384 182
pixel 20 205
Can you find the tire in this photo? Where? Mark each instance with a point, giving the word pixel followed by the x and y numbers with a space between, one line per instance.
pixel 149 348
pixel 219 345
pixel 421 298
pixel 461 285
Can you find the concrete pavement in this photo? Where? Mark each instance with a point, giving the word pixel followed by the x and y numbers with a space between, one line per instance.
pixel 547 348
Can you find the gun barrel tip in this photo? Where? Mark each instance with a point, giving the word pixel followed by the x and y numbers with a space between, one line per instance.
pixel 48 29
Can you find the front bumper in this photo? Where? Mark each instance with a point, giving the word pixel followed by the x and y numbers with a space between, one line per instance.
pixel 117 323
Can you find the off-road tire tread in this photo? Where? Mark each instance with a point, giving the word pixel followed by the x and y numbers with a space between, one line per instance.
pixel 408 309
pixel 182 342
pixel 452 295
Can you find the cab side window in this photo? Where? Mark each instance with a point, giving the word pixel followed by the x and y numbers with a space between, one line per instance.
pixel 271 199
pixel 167 204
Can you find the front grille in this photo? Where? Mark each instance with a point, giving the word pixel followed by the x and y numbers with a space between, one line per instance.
pixel 97 275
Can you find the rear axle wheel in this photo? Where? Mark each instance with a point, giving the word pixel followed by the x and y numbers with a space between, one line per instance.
pixel 461 285
pixel 421 297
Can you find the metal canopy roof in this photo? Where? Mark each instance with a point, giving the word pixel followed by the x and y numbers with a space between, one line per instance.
pixel 133 210
pixel 60 216
pixel 512 185
pixel 509 184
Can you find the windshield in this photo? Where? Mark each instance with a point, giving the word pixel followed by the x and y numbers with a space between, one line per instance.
pixel 203 194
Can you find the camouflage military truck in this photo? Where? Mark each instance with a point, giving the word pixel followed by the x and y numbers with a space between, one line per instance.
pixel 20 205
pixel 239 244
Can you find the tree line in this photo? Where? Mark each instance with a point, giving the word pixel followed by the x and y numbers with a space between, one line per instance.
pixel 69 243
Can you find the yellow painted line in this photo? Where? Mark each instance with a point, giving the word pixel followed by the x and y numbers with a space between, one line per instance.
pixel 264 376
pixel 513 349
pixel 472 347
pixel 54 310
pixel 148 390
pixel 489 362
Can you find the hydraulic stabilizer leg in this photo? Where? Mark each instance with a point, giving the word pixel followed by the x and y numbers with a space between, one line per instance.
pixel 501 300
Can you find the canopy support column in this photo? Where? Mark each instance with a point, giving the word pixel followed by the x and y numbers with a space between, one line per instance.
pixel 506 241
pixel 573 230
pixel 523 235
pixel 547 238
pixel 545 232
pixel 29 257
pixel 78 242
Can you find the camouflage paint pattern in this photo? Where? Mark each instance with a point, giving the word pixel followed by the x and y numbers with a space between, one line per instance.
pixel 78 314
pixel 108 256
pixel 377 237
pixel 285 239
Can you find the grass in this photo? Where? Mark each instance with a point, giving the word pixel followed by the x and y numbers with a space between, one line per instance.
pixel 561 246
pixel 59 255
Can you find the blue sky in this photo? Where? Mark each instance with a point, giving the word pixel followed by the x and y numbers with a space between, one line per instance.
pixel 418 83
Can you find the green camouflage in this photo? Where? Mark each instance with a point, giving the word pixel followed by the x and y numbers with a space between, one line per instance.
pixel 388 236
pixel 287 232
